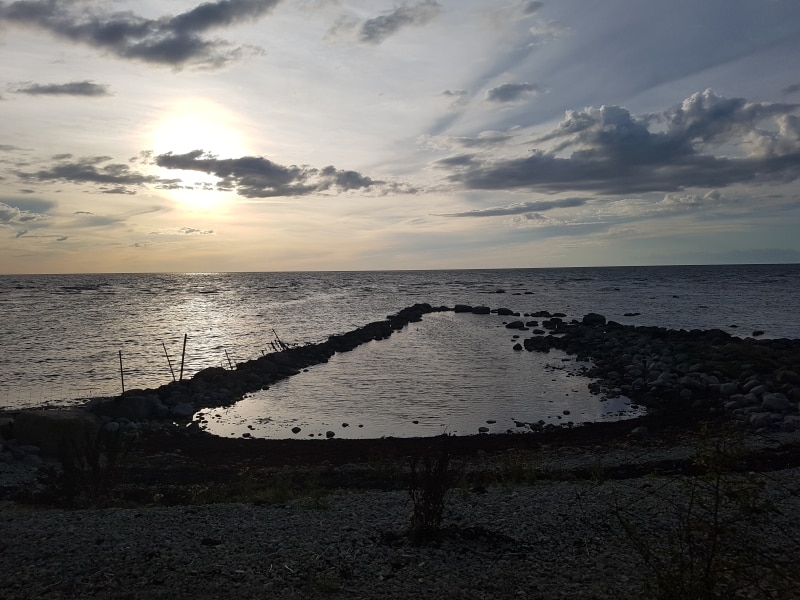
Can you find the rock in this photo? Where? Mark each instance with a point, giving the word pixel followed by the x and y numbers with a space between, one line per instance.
pixel 593 320
pixel 483 430
pixel 55 430
pixel 111 427
pixel 6 428
pixel 481 310
pixel 505 312
pixel 517 347
pixel 181 412
pixel 786 376
pixel 462 308
pixel 296 430
pixel 329 434
pixel 728 389
pixel 760 420
pixel 516 325
pixel 640 432
pixel 757 333
pixel 775 402
pixel 31 460
pixel 135 407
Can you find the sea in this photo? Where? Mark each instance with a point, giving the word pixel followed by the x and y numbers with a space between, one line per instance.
pixel 67 338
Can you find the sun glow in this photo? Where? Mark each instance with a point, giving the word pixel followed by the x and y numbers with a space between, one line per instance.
pixel 195 124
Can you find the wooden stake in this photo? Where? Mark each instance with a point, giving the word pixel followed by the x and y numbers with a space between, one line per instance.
pixel 169 362
pixel 121 374
pixel 183 354
pixel 230 364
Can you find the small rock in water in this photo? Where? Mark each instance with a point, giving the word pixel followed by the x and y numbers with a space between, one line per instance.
pixel 483 430
pixel 757 333
pixel 345 424
pixel 491 421
pixel 329 434
pixel 295 430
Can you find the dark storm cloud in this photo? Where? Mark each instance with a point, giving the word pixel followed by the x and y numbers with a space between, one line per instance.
pixel 377 29
pixel 521 208
pixel 511 92
pixel 258 177
pixel 74 88
pixel 614 152
pixel 175 41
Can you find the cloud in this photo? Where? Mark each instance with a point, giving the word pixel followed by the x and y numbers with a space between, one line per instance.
pixel 378 29
pixel 458 97
pixel 609 150
pixel 91 170
pixel 258 177
pixel 175 41
pixel 74 88
pixel 791 89
pixel 11 215
pixel 520 208
pixel 512 92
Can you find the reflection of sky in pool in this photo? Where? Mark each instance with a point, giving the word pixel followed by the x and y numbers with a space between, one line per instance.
pixel 450 373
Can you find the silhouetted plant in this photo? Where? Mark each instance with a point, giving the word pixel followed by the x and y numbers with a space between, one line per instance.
pixel 709 552
pixel 89 470
pixel 430 484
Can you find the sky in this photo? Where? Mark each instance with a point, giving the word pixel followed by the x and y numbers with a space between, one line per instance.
pixel 288 135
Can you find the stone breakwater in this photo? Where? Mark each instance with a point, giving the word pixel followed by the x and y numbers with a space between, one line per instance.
pixel 668 371
pixel 215 386
pixel 675 373
pixel 678 372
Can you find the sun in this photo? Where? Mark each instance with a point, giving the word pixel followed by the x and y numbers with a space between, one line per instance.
pixel 196 124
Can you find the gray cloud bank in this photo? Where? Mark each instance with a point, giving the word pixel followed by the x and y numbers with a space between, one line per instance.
pixel 521 208
pixel 258 177
pixel 511 92
pixel 114 178
pixel 73 88
pixel 609 150
pixel 377 29
pixel 175 41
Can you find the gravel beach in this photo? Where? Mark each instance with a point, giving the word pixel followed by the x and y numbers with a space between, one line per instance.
pixel 559 535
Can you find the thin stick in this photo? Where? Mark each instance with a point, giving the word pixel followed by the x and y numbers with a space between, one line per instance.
pixel 121 374
pixel 230 364
pixel 169 362
pixel 183 354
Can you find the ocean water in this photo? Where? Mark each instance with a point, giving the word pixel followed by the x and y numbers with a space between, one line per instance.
pixel 61 338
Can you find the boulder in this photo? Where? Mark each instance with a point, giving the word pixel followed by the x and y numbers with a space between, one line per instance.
pixel 775 402
pixel 184 411
pixel 516 325
pixel 136 408
pixel 56 430
pixel 593 320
